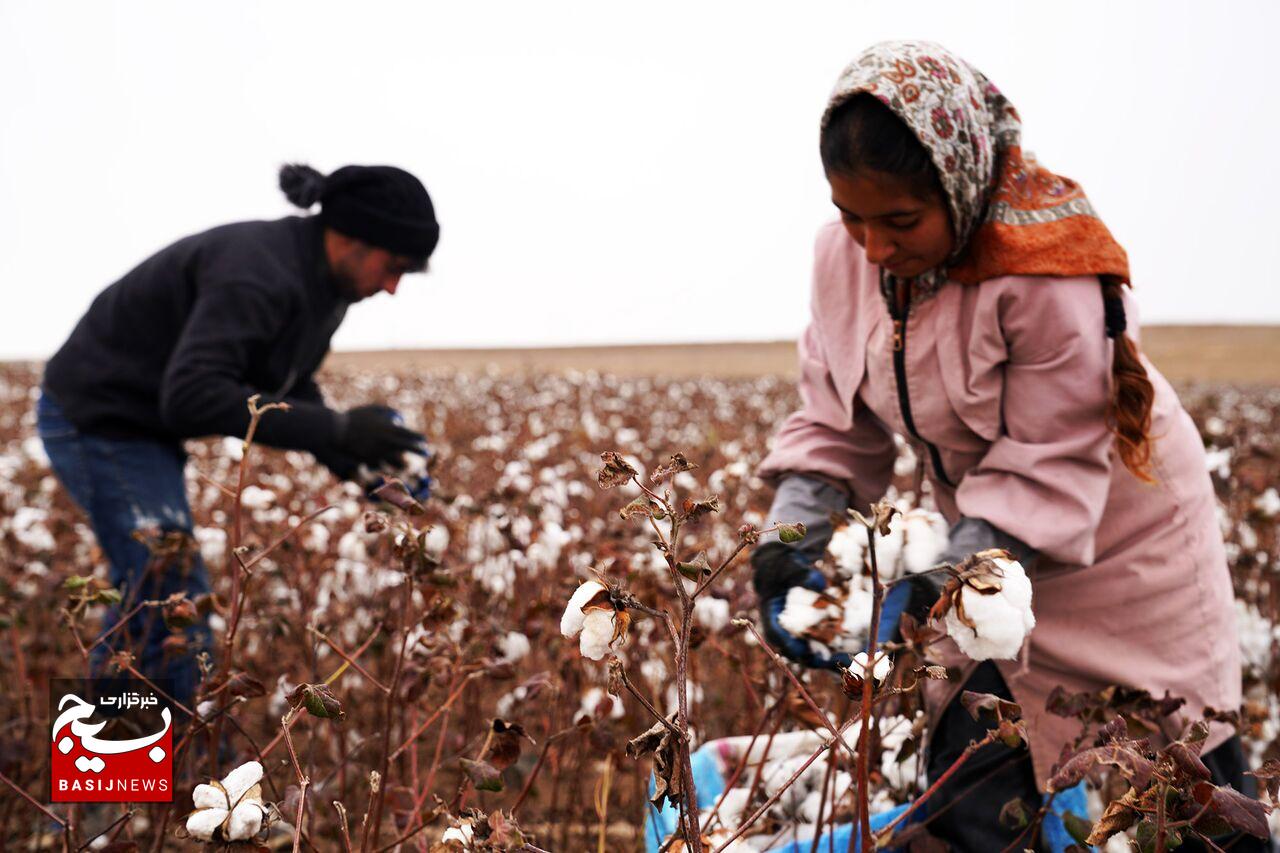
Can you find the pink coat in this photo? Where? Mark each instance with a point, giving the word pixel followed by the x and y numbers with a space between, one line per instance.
pixel 1009 379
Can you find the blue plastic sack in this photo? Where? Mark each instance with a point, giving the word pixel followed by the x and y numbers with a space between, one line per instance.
pixel 709 782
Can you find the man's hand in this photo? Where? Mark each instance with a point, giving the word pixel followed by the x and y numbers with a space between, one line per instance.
pixel 371 436
pixel 776 569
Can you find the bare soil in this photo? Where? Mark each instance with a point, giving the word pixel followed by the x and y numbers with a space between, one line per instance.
pixel 1237 354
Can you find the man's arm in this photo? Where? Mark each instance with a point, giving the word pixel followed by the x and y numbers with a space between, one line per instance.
pixel 204 390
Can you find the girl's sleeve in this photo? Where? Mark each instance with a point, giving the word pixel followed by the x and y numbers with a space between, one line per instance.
pixel 1045 478
pixel 846 445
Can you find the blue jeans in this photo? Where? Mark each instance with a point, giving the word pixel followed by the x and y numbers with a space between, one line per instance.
pixel 125 485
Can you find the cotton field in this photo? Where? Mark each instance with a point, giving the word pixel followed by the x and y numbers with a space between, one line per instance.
pixel 486 674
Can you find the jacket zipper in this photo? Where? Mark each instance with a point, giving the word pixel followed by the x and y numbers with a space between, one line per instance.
pixel 900 308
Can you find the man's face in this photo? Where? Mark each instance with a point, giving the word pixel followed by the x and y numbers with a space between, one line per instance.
pixel 361 270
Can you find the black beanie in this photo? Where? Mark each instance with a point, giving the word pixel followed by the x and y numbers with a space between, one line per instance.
pixel 381 205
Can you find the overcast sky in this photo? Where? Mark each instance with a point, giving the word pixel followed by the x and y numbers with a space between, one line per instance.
pixel 603 172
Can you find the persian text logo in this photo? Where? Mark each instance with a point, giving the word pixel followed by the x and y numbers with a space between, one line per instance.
pixel 111 741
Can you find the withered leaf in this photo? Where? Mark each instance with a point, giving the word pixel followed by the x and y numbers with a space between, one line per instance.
pixel 615 472
pixel 695 510
pixel 659 742
pixel 1269 775
pixel 988 705
pixel 243 684
pixel 882 512
pixel 504 832
pixel 1188 761
pixel 397 494
pixel 319 701
pixel 675 465
pixel 1242 813
pixel 482 774
pixel 1132 765
pixel 1116 817
pixel 642 506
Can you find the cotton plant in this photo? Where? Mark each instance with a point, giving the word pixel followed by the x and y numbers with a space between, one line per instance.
pixel 231 809
pixel 598 615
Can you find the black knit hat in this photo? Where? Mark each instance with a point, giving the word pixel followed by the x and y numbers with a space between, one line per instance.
pixel 381 205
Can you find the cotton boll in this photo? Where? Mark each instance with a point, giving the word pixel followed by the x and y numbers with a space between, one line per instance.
pixel 889 548
pixel 437 540
pixel 202 824
pixel 240 780
pixel 1000 630
pixel 208 797
pixel 711 613
pixel 847 548
pixel 734 806
pixel 571 621
pixel 594 698
pixel 841 785
pixel 514 646
pixel 1015 587
pixel 1002 619
pixel 1268 503
pixel 804 609
pixel 925 537
pixel 245 822
pixel 779 772
pixel 255 497
pixel 810 806
pixel 720 836
pixel 855 625
pixel 597 633
pixel 880 669
pixel 461 834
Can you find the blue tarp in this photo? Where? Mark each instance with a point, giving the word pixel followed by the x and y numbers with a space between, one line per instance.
pixel 660 823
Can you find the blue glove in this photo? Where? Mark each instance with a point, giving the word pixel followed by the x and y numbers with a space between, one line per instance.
pixel 776 569
pixel 896 600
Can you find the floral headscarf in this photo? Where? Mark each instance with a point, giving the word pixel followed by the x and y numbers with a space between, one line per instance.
pixel 1010 215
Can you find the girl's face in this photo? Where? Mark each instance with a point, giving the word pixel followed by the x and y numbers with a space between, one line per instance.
pixel 899 231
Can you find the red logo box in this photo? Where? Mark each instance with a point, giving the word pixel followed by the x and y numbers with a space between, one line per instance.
pixel 111 741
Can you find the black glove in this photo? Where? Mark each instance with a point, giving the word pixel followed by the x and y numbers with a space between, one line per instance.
pixel 776 568
pixel 371 436
pixel 342 466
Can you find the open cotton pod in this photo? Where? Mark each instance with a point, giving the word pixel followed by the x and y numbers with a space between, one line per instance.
pixel 986 606
pixel 595 620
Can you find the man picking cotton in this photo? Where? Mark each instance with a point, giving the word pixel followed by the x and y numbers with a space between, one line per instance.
pixel 174 349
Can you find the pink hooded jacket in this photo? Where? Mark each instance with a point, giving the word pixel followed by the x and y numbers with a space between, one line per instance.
pixel 1009 380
